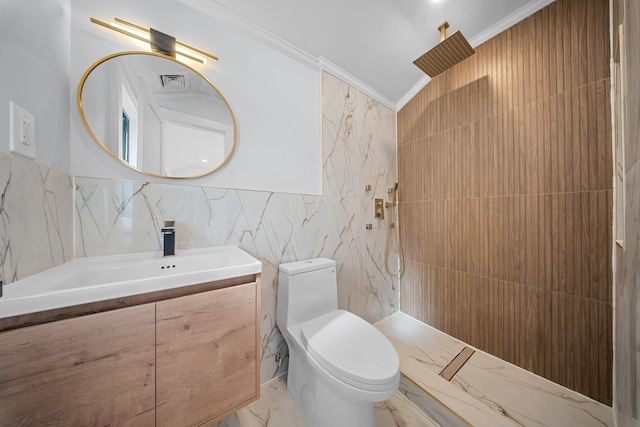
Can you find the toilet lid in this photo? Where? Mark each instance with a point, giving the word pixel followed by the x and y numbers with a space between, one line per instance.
pixel 351 349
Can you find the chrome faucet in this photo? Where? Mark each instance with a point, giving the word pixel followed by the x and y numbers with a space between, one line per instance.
pixel 169 237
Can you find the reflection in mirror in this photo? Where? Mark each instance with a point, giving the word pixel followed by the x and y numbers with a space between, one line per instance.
pixel 157 115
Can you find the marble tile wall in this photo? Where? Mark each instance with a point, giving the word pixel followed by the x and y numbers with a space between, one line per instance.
pixel 114 217
pixel 626 391
pixel 36 218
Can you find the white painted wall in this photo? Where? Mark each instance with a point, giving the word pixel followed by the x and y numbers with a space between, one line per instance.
pixel 34 47
pixel 276 100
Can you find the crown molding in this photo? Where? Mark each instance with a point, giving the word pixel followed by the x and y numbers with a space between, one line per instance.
pixel 333 69
pixel 412 92
pixel 509 21
pixel 500 26
pixel 221 13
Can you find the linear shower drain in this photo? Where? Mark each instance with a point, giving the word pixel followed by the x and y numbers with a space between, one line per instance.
pixel 458 362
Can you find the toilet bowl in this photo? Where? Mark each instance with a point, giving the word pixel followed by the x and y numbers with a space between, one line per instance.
pixel 339 365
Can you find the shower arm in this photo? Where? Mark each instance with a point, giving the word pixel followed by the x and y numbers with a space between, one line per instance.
pixel 443 30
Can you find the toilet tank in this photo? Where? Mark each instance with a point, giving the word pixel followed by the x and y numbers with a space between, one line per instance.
pixel 306 290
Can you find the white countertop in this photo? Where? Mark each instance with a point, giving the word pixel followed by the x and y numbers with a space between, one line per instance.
pixel 93 279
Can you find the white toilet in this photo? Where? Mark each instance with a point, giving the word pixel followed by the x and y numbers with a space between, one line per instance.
pixel 339 364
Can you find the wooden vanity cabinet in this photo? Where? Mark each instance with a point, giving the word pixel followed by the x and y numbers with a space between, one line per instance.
pixel 186 360
pixel 206 355
pixel 93 370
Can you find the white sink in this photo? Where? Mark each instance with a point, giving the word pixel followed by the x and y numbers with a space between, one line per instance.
pixel 86 280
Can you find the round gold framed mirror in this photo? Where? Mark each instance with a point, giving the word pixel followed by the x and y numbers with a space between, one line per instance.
pixel 157 115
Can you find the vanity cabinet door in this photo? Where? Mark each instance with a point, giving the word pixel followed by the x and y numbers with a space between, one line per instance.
pixel 93 370
pixel 207 355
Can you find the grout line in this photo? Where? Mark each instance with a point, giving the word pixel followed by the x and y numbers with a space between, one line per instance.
pixel 508 282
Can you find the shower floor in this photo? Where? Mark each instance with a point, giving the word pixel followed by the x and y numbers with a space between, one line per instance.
pixel 486 391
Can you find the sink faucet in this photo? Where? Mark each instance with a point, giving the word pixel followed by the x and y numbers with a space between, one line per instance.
pixel 169 235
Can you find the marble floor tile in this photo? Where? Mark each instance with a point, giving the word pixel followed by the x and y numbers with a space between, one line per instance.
pixel 420 343
pixel 429 404
pixel 486 390
pixel 401 412
pixel 525 398
pixel 276 408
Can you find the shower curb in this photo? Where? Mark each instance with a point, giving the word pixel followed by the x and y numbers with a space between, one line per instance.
pixel 483 389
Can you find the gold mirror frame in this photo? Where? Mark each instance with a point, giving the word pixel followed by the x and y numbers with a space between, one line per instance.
pixel 114 155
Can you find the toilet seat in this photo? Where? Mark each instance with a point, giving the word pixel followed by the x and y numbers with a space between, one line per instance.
pixel 352 350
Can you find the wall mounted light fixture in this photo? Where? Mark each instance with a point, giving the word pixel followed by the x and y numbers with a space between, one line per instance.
pixel 159 42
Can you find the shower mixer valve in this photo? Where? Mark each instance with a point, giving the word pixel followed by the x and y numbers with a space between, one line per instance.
pixel 379 208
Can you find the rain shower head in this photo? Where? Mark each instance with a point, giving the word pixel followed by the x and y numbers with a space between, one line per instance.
pixel 445 54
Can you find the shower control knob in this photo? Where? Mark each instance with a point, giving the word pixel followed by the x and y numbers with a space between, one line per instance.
pixel 379 208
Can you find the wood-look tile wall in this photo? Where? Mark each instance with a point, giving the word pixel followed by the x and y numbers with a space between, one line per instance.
pixel 506 198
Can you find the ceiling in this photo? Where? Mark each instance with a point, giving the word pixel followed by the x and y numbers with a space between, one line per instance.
pixel 375 42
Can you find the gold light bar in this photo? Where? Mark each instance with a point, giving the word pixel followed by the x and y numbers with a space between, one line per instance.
pixel 143 34
pixel 179 44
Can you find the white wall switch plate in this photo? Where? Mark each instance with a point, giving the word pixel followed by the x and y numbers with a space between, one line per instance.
pixel 22 132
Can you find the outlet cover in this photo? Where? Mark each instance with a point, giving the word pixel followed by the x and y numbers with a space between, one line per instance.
pixel 22 132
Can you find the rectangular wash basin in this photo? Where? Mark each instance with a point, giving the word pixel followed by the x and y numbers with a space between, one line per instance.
pixel 93 279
